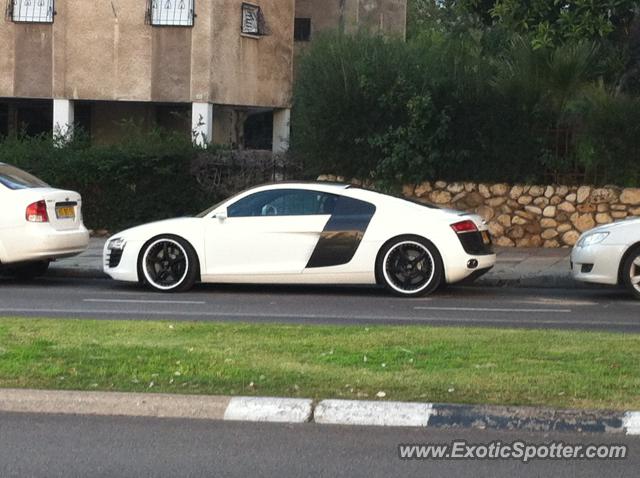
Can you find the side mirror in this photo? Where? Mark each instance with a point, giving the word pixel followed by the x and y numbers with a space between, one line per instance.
pixel 220 215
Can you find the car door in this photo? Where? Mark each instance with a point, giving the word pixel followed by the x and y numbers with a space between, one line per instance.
pixel 269 232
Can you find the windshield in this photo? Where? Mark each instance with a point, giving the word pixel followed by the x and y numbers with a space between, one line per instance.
pixel 206 212
pixel 15 178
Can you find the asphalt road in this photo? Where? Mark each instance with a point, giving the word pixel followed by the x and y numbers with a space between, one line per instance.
pixel 78 446
pixel 590 309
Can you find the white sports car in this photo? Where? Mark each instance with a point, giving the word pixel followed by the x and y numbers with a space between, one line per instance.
pixel 38 224
pixel 306 233
pixel 609 254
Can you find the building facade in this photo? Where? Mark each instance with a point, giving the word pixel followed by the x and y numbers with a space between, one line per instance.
pixel 221 70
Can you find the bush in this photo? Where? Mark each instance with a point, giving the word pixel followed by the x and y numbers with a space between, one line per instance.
pixel 609 142
pixel 454 107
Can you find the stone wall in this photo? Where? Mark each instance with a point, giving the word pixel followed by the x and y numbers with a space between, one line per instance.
pixel 532 215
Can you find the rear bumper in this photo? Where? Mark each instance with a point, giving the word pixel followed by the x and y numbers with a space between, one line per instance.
pixel 41 242
pixel 460 270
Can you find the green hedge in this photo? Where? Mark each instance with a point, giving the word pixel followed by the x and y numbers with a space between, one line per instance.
pixel 456 106
pixel 145 177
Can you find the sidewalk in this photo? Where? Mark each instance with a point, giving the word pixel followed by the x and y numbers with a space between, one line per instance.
pixel 516 267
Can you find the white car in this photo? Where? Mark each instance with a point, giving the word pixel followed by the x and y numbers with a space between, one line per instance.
pixel 38 224
pixel 609 254
pixel 306 233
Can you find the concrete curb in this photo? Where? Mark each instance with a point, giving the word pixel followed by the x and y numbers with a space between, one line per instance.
pixel 264 409
pixel 537 282
pixel 76 273
pixel 114 404
pixel 531 419
pixel 351 412
pixel 334 412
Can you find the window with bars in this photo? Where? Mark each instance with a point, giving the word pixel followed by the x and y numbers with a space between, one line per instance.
pixel 253 22
pixel 31 11
pixel 302 29
pixel 171 13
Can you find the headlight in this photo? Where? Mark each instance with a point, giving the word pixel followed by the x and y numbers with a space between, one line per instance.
pixel 117 243
pixel 591 239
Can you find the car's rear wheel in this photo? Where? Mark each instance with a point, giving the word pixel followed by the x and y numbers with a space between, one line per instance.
pixel 28 271
pixel 410 266
pixel 631 272
pixel 168 264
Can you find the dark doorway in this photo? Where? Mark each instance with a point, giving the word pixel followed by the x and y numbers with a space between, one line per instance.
pixel 174 117
pixel 4 119
pixel 258 131
pixel 35 117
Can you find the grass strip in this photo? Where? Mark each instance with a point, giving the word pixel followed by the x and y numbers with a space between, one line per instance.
pixel 565 369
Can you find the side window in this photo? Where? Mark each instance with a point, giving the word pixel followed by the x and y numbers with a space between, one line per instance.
pixel 283 202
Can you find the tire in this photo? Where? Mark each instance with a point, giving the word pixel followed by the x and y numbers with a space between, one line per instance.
pixel 631 272
pixel 410 266
pixel 29 270
pixel 168 264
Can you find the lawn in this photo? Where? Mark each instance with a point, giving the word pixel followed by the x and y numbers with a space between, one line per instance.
pixel 458 365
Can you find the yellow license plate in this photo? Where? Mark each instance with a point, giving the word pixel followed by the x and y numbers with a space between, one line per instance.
pixel 65 212
pixel 485 237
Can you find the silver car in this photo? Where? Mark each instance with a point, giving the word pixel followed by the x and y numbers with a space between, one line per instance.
pixel 609 254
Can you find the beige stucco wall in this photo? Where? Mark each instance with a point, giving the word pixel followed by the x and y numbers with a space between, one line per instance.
pixel 103 50
pixel 385 16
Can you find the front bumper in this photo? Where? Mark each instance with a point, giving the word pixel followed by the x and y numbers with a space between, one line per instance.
pixel 598 264
pixel 126 268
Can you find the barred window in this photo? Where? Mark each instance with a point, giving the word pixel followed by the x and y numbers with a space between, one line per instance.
pixel 252 20
pixel 302 29
pixel 32 11
pixel 171 13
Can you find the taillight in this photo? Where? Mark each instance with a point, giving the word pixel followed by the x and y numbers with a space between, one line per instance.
pixel 464 226
pixel 37 212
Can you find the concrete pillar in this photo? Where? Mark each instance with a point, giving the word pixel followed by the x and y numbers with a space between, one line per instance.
pixel 63 118
pixel 281 130
pixel 202 123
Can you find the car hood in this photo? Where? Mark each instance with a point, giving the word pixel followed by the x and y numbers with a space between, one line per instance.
pixel 165 226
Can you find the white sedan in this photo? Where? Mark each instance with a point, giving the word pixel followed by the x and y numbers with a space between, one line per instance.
pixel 609 254
pixel 38 224
pixel 306 233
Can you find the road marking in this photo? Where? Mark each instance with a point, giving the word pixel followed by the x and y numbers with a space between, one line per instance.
pixel 495 309
pixel 84 313
pixel 552 301
pixel 141 301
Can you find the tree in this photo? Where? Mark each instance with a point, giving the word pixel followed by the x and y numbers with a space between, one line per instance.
pixel 552 22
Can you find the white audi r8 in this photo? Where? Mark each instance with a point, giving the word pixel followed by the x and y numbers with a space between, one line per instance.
pixel 609 254
pixel 306 233
pixel 38 224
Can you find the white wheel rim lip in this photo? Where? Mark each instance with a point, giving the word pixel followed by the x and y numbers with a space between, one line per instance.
pixel 635 264
pixel 144 264
pixel 386 274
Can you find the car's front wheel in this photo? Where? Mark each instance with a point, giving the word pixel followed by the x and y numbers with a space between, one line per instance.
pixel 168 264
pixel 631 272
pixel 410 266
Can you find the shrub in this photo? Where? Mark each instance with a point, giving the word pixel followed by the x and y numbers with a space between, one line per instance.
pixel 447 106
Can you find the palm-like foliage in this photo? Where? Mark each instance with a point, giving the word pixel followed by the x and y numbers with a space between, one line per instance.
pixel 544 81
